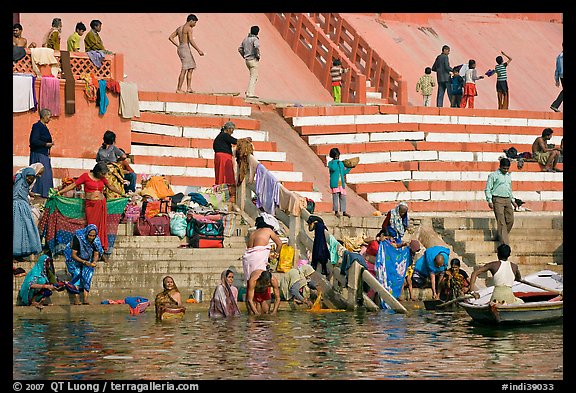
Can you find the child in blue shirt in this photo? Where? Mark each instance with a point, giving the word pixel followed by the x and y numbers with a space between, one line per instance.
pixel 456 87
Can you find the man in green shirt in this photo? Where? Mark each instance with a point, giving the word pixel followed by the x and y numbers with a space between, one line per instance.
pixel 500 199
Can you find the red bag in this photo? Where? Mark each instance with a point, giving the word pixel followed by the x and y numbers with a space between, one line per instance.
pixel 206 241
pixel 153 226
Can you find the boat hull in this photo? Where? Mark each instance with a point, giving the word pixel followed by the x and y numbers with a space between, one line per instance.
pixel 540 305
pixel 515 314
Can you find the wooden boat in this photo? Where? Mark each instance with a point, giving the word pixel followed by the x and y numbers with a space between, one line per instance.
pixel 541 304
pixel 170 313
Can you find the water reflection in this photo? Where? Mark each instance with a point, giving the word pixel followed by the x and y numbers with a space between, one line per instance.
pixel 292 345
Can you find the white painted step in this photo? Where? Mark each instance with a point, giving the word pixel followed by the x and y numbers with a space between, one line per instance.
pixel 204 109
pixel 193 132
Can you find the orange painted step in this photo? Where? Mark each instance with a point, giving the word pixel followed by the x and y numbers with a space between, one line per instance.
pixel 466 166
pixel 198 120
pixel 480 186
pixel 368 147
pixel 204 162
pixel 192 98
pixel 299 186
pixel 482 129
pixel 471 146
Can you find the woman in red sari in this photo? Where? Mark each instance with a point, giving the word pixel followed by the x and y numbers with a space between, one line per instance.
pixel 94 200
pixel 223 163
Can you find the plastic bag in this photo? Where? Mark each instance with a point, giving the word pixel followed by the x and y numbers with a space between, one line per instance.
pixel 178 225
pixel 286 259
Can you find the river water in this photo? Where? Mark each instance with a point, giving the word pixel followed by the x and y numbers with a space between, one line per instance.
pixel 291 345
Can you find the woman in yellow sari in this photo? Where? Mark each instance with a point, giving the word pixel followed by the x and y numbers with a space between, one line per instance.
pixel 169 298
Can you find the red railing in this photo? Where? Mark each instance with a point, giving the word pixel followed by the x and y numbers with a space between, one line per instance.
pixel 382 77
pixel 112 65
pixel 310 43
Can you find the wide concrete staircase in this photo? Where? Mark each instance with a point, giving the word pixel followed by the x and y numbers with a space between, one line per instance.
pixel 437 159
pixel 139 263
pixel 174 137
pixel 536 240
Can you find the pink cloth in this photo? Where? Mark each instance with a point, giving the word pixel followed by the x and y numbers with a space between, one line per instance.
pixel 255 258
pixel 50 94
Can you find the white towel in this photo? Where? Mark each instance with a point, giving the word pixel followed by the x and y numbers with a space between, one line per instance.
pixel 22 92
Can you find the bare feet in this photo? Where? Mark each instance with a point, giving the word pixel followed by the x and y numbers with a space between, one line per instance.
pixel 38 305
pixel 18 271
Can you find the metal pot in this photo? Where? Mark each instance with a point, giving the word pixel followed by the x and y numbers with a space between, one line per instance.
pixel 198 295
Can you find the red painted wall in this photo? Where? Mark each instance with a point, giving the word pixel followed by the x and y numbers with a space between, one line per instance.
pixel 78 135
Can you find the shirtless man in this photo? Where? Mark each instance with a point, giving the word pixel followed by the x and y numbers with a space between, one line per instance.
pixel 18 40
pixel 255 262
pixel 547 157
pixel 184 34
pixel 258 295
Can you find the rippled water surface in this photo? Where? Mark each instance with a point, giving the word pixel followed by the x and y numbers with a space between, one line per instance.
pixel 291 345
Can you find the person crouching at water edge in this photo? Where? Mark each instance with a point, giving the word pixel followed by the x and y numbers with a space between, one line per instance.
pixel 258 294
pixel 37 285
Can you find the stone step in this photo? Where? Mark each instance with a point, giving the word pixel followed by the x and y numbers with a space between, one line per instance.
pixel 526 259
pixel 519 247
pixel 176 254
pixel 529 222
pixel 169 242
pixel 517 234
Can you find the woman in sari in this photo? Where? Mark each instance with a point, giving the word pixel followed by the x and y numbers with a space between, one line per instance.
pixel 295 285
pixel 37 285
pixel 224 300
pixel 26 237
pixel 94 200
pixel 396 222
pixel 81 256
pixel 170 297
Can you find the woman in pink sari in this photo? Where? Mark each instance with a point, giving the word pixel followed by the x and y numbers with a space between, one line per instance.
pixel 224 301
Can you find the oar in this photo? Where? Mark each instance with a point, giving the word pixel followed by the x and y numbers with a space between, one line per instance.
pixel 458 299
pixel 557 292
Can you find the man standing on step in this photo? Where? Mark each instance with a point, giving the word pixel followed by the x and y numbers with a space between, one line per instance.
pixel 185 39
pixel 500 199
pixel 250 51
pixel 443 71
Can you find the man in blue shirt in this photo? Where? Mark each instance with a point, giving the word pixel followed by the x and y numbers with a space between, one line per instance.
pixel 499 196
pixel 434 262
pixel 559 77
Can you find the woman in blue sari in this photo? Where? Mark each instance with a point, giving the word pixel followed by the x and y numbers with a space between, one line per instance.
pixel 26 240
pixel 81 255
pixel 37 285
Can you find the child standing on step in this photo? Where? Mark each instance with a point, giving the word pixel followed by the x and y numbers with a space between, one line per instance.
pixel 336 73
pixel 338 173
pixel 425 85
pixel 470 79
